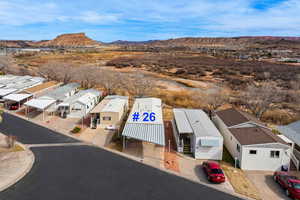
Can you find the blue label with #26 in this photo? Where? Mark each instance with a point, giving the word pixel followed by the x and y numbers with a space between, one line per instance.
pixel 146 117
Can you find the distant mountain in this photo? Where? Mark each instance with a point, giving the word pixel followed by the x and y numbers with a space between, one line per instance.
pixel 234 42
pixel 64 40
pixel 81 40
pixel 69 40
pixel 14 43
pixel 124 42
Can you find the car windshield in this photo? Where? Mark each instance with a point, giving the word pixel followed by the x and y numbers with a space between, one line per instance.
pixel 216 171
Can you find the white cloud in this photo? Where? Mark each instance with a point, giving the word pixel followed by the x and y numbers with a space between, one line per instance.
pixel 96 18
pixel 158 18
pixel 22 12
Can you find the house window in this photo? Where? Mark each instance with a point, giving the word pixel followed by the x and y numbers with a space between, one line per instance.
pixel 252 152
pixel 238 148
pixel 275 154
pixel 106 118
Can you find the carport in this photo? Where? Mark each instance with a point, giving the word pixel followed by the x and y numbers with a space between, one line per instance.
pixel 6 91
pixel 39 104
pixel 16 98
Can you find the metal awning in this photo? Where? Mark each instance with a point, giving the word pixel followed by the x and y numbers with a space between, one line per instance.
pixel 4 92
pixel 41 104
pixel 153 133
pixel 17 97
pixel 209 142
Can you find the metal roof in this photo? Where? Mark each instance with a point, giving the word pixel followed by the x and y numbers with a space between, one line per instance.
pixel 182 123
pixel 17 97
pixel 116 97
pixel 88 97
pixel 42 86
pixel 291 131
pixel 4 92
pixel 83 96
pixel 106 101
pixel 146 105
pixel 60 93
pixel 114 105
pixel 153 133
pixel 196 122
pixel 41 104
pixel 20 82
pixel 150 131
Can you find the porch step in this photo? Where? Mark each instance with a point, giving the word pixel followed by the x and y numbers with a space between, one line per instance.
pixel 187 149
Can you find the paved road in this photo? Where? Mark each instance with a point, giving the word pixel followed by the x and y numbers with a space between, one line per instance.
pixel 29 133
pixel 88 173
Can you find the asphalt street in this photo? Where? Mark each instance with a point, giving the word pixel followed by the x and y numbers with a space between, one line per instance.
pixel 30 133
pixel 88 173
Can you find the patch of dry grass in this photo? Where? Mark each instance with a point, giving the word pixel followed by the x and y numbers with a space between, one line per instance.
pixel 167 113
pixel 72 57
pixel 239 181
pixel 182 99
pixel 279 116
pixel 16 148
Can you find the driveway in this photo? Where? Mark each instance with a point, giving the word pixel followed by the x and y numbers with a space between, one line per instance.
pixel 88 173
pixel 267 187
pixel 193 169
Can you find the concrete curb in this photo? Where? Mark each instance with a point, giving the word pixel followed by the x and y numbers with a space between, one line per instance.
pixel 25 172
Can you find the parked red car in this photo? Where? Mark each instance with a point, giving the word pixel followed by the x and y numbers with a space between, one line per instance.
pixel 14 106
pixel 214 172
pixel 291 184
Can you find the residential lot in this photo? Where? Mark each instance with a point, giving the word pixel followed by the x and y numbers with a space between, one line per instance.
pixel 86 172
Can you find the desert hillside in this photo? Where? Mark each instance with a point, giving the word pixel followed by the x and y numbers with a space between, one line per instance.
pixel 69 40
pixel 64 40
pixel 230 42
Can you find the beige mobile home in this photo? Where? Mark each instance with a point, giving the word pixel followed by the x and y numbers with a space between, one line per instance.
pixel 110 112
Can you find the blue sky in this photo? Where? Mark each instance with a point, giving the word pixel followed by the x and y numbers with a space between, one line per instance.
pixel 139 20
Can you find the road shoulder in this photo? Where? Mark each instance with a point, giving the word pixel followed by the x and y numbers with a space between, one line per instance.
pixel 14 165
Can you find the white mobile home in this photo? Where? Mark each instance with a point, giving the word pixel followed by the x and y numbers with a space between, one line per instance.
pixel 145 122
pixel 110 112
pixel 62 93
pixel 292 132
pixel 80 104
pixel 195 133
pixel 253 145
pixel 48 103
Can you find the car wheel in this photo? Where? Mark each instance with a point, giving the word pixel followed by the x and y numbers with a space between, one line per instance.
pixel 287 192
pixel 209 179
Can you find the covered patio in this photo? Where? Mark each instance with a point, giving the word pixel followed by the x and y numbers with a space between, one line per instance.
pixel 16 99
pixel 5 91
pixel 41 105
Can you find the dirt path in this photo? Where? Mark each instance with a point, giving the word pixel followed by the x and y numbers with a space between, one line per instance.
pixel 171 157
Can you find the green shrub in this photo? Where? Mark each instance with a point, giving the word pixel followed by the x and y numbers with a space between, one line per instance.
pixel 76 130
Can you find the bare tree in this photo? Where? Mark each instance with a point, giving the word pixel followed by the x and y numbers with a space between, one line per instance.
pixel 86 75
pixel 259 99
pixel 4 63
pixel 110 80
pixel 58 71
pixel 213 99
pixel 139 85
pixel 11 141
